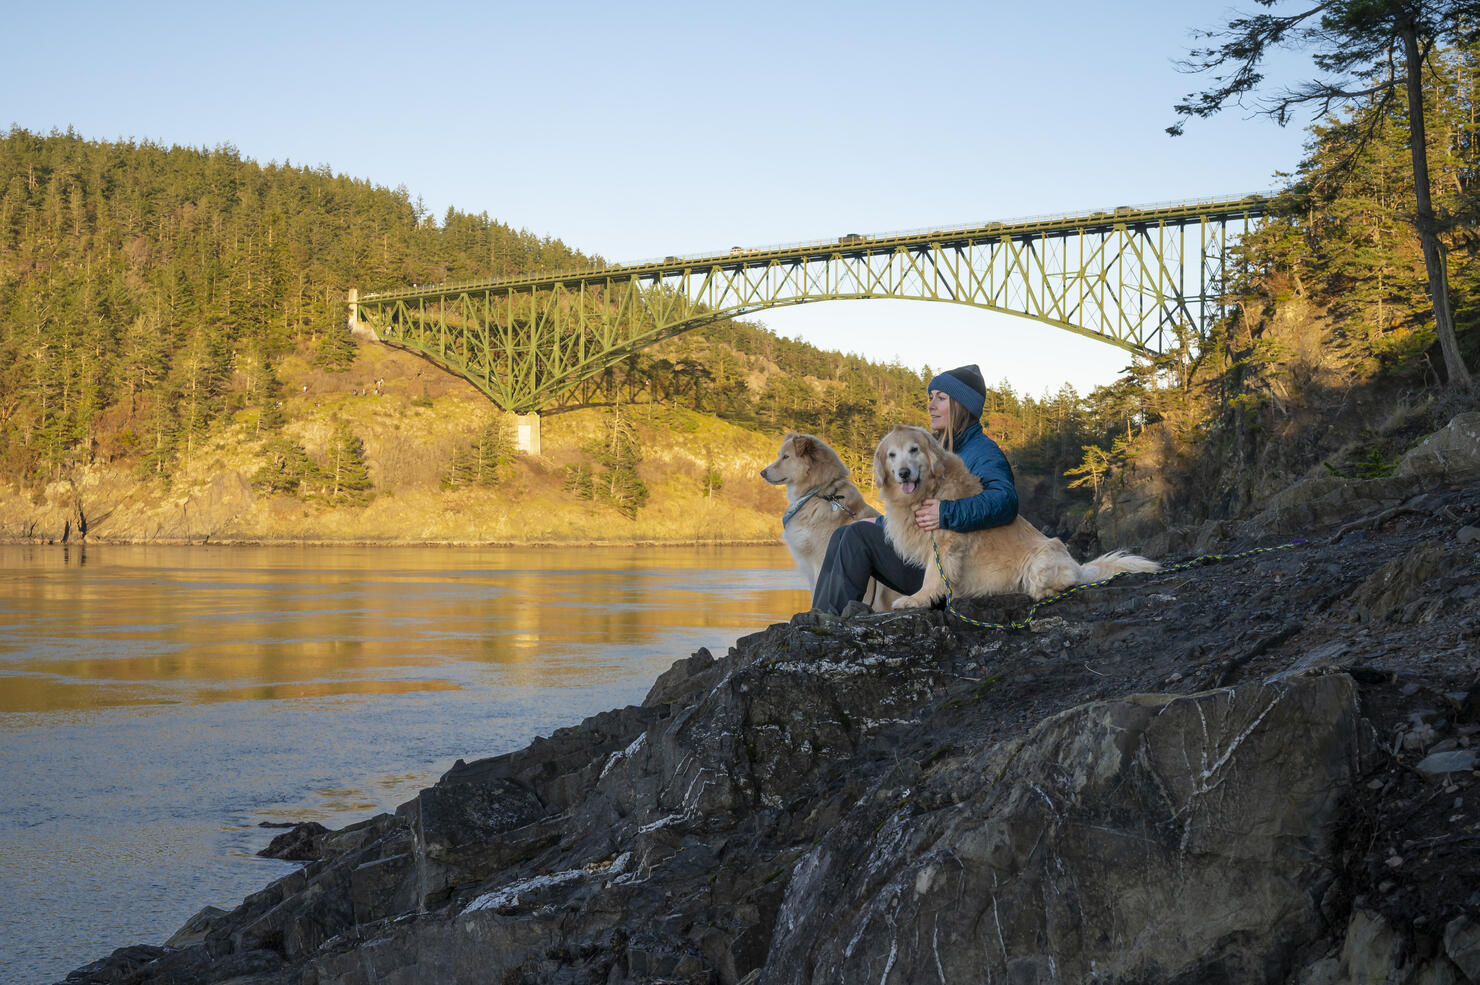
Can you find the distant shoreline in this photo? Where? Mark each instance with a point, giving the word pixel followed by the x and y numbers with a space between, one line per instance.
pixel 249 542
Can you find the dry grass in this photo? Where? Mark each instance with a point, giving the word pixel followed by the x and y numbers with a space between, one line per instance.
pixel 410 432
pixel 409 438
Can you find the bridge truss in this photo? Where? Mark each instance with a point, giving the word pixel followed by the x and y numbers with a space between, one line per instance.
pixel 1130 277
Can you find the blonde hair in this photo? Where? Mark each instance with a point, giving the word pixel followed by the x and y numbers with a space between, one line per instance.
pixel 958 420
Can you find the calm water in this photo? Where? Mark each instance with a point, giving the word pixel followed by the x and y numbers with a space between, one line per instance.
pixel 157 703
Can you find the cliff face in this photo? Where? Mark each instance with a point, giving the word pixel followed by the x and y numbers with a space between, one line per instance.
pixel 1258 770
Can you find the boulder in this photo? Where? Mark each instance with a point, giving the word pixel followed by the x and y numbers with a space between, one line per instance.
pixel 302 843
pixel 1451 454
pixel 1146 839
pixel 1462 945
pixel 1451 761
pixel 1393 589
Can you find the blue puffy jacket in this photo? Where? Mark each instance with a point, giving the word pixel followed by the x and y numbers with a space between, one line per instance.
pixel 997 503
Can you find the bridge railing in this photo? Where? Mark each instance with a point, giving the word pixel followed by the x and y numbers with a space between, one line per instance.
pixel 864 238
pixel 948 229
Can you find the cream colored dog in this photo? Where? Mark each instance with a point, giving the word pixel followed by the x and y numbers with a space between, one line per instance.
pixel 910 466
pixel 820 498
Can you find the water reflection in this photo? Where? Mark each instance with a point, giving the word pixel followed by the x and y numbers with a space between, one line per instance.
pixel 158 703
pixel 224 624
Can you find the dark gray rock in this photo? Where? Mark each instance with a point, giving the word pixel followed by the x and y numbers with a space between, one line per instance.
pixel 1462 945
pixel 119 966
pixel 1451 454
pixel 197 928
pixel 302 843
pixel 1152 838
pixel 1392 590
pixel 1450 761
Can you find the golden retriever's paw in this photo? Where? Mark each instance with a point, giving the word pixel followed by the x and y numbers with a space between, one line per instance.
pixel 913 602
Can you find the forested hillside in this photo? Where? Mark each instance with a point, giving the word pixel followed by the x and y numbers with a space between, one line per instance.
pixel 1327 363
pixel 152 297
pixel 149 291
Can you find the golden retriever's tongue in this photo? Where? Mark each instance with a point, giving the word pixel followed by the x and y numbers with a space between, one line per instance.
pixel 907 487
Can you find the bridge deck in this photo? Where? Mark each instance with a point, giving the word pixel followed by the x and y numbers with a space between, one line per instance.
pixel 855 245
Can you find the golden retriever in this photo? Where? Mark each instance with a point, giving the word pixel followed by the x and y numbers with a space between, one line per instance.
pixel 910 466
pixel 820 498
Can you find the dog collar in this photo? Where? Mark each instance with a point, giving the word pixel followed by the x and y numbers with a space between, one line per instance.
pixel 791 510
pixel 839 502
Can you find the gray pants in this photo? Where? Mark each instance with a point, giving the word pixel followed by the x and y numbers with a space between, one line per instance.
pixel 856 553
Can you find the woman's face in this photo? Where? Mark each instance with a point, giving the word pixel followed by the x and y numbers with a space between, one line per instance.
pixel 940 410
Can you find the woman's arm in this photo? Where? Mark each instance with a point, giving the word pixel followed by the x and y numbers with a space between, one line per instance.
pixel 995 505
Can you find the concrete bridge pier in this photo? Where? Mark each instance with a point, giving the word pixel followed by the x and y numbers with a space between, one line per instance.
pixel 355 328
pixel 527 433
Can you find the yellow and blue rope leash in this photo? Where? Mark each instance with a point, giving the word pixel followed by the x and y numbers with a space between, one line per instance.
pixel 1024 622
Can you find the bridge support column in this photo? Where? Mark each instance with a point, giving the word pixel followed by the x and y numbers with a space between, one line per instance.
pixel 527 433
pixel 355 328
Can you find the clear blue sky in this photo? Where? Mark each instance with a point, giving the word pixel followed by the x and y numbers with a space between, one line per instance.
pixel 651 128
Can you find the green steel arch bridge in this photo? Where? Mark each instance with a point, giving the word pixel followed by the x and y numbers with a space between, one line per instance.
pixel 1127 276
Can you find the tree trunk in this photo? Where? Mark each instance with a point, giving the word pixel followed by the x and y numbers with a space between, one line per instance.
pixel 1428 236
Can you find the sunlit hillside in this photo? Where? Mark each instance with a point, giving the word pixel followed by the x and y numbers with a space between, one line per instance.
pixel 173 319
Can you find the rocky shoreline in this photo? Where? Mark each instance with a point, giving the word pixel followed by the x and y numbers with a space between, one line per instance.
pixel 1258 770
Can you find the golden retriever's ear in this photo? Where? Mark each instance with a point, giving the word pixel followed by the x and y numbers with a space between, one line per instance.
pixel 879 472
pixel 935 456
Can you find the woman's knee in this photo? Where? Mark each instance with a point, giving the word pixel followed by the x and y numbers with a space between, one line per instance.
pixel 841 534
pixel 853 543
pixel 834 544
pixel 846 535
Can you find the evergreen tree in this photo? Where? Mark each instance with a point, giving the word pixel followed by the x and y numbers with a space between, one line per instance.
pixel 346 473
pixel 162 432
pixel 1091 471
pixel 578 480
pixel 335 347
pixel 265 392
pixel 482 462
pixel 1370 51
pixel 611 476
pixel 1340 238
pixel 712 480
pixel 286 468
pixel 618 456
pixel 198 380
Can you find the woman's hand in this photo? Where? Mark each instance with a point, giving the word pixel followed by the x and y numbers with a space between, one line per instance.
pixel 927 517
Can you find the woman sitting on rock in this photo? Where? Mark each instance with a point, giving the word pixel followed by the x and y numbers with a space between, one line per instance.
pixel 858 550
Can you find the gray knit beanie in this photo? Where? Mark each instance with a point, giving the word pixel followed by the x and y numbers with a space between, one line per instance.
pixel 965 385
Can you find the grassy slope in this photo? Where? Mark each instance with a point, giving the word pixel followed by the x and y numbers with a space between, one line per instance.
pixel 410 432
